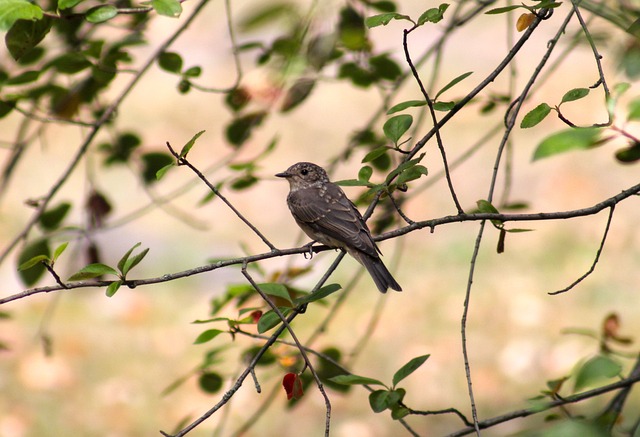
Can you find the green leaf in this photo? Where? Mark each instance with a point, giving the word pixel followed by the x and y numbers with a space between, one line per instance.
pixel 56 253
pixel 51 218
pixel 70 63
pixel 6 106
pixel 168 8
pixel 210 382
pixel 566 140
pixel 486 207
pixel 187 147
pixel 409 368
pixel 443 106
pixel 535 116
pixel 297 93
pixel 160 173
pixel 39 259
pixel 404 105
pixel 453 82
pixel 113 288
pixel 633 110
pixel 152 163
pixel 276 289
pixel 241 128
pixel 100 14
pixel 125 257
pixel 375 154
pixel 365 173
pixel 384 19
pixel 134 261
pixel 503 9
pixel 383 67
pixel 39 247
pixel 170 61
pixel 412 174
pixel 403 167
pixel 207 335
pixel 270 320
pixel 398 412
pixel 193 71
pixel 396 126
pixel 352 183
pixel 575 94
pixel 24 77
pixel 14 10
pixel 595 370
pixel 433 15
pixel 67 4
pixel 243 182
pixel 24 35
pixel 629 155
pixel 319 294
pixel 355 380
pixel 379 400
pixel 92 271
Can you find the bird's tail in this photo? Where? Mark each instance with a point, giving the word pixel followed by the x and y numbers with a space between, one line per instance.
pixel 378 271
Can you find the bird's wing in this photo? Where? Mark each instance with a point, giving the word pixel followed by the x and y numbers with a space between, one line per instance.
pixel 335 216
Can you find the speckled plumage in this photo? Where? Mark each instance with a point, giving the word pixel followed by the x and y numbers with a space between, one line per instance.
pixel 326 215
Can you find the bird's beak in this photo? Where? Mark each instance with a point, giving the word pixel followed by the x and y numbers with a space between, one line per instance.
pixel 284 174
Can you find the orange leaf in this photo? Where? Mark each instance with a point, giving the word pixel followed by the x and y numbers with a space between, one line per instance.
pixel 524 21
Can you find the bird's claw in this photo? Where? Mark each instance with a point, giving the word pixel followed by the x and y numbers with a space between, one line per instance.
pixel 309 247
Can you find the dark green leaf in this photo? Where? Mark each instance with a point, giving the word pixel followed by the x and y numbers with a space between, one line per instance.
pixel 67 4
pixel 39 247
pixel 433 15
pixel 113 288
pixel 51 218
pixel 403 167
pixel 396 126
pixel 207 335
pixel 100 14
pixel 575 94
pixel 384 19
pixel 503 9
pixel 276 289
pixel 240 129
pixel 383 6
pixel 193 71
pixel 270 320
pixel 153 162
pixel 187 147
pixel 629 155
pixel 243 182
pixel 6 106
pixel 237 99
pixel 566 140
pixel 365 173
pixel 92 271
pixel 170 61
pixel 168 8
pixel 535 116
pixel 121 150
pixel 409 368
pixel 23 78
pixel 319 294
pixel 33 262
pixel 70 63
pixel 210 382
pixel 595 370
pixel 404 105
pixel 14 10
pixel 358 75
pixel 352 183
pixel 384 68
pixel 355 380
pixel 453 83
pixel 443 106
pixel 412 174
pixel 25 35
pixel 379 400
pixel 398 412
pixel 375 154
pixel 351 30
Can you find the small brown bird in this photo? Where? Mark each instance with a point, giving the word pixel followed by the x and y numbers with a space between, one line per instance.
pixel 327 216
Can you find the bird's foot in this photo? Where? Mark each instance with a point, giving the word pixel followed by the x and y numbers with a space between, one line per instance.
pixel 309 247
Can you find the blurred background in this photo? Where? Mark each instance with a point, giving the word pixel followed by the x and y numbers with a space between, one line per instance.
pixel 107 363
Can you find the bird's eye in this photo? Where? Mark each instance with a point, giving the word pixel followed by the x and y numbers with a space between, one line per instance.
pixel 304 172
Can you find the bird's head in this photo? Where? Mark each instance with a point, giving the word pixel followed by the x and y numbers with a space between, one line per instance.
pixel 303 175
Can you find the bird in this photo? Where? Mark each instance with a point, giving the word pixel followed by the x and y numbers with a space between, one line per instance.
pixel 325 213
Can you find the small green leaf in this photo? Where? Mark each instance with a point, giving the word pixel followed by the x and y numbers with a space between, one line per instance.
pixel 503 9
pixel 113 288
pixel 39 247
pixel 595 370
pixel 56 253
pixel 396 126
pixel 100 14
pixel 51 218
pixel 433 15
pixel 566 140
pixel 270 320
pixel 403 167
pixel 453 82
pixel 535 116
pixel 134 261
pixel 409 368
pixel 23 78
pixel 633 110
pixel 168 8
pixel 319 294
pixel 68 4
pixel 25 35
pixel 375 154
pixel 152 163
pixel 241 128
pixel 412 174
pixel 125 257
pixel 14 10
pixel 443 106
pixel 70 63
pixel 170 61
pixel 352 183
pixel 160 173
pixel 92 271
pixel 629 155
pixel 404 105
pixel 365 173
pixel 355 380
pixel 207 335
pixel 276 289
pixel 398 412
pixel 379 400
pixel 210 382
pixel 39 259
pixel 187 147
pixel 575 94
pixel 384 19
pixel 486 207
pixel 193 71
